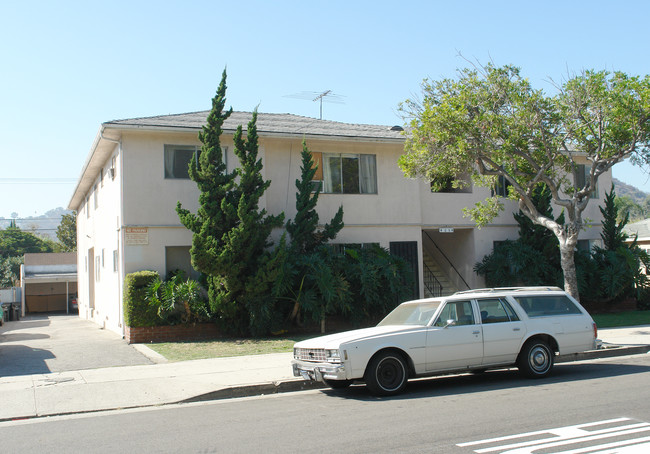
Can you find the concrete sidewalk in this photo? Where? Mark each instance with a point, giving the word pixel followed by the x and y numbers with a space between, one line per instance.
pixel 68 392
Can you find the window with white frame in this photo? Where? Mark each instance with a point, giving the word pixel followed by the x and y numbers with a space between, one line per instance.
pixel 178 158
pixel 345 173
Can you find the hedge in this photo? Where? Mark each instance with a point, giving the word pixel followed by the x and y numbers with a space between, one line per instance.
pixel 137 312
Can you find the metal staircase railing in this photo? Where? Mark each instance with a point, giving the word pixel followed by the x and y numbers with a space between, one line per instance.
pixel 432 285
pixel 448 261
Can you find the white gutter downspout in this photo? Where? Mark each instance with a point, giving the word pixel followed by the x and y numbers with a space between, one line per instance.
pixel 22 290
pixel 120 244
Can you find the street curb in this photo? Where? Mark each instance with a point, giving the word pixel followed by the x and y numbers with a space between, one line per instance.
pixel 298 384
pixel 303 385
pixel 607 352
pixel 260 389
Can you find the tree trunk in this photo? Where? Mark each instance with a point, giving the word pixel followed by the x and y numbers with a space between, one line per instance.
pixel 567 259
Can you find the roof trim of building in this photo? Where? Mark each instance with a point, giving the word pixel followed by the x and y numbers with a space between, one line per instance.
pixel 262 134
pixel 273 125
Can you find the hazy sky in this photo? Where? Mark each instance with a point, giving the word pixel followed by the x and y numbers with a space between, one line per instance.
pixel 68 66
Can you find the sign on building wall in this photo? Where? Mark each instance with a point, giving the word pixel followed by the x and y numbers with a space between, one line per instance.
pixel 136 236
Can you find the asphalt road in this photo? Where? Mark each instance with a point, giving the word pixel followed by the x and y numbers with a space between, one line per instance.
pixel 438 415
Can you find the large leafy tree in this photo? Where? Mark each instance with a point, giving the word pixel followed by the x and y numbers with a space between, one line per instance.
pixel 629 207
pixel 66 232
pixel 231 232
pixel 15 242
pixel 10 271
pixel 492 122
pixel 532 259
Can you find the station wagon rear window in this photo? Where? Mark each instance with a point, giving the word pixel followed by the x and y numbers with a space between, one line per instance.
pixel 544 306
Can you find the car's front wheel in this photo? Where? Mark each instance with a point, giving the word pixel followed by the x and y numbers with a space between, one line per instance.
pixel 535 359
pixel 386 374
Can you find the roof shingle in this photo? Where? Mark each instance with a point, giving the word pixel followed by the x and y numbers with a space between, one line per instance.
pixel 267 123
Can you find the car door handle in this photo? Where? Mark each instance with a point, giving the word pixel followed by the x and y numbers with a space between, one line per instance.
pixel 516 329
pixel 476 332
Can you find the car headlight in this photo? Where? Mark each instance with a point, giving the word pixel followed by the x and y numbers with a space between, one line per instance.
pixel 333 356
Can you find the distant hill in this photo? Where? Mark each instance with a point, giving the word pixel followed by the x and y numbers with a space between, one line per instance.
pixel 625 189
pixel 43 225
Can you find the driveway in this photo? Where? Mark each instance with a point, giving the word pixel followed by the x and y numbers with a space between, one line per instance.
pixel 40 344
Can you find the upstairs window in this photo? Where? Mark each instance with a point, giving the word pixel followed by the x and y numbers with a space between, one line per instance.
pixel 95 197
pixel 344 173
pixel 583 175
pixel 501 187
pixel 445 185
pixel 177 160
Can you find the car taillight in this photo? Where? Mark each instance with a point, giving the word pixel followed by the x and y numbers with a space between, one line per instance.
pixel 595 331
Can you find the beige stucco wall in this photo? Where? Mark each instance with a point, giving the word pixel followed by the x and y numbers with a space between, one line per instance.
pixel 99 230
pixel 140 196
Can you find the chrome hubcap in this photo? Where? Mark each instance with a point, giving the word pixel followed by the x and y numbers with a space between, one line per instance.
pixel 539 359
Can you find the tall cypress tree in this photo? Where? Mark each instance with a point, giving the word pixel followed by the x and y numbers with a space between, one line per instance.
pixel 300 274
pixel 231 233
pixel 215 184
pixel 305 234
pixel 612 234
pixel 244 255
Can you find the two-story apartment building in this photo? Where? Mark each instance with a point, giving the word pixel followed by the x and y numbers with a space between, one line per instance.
pixel 136 172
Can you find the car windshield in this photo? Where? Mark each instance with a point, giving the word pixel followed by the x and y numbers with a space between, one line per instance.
pixel 411 314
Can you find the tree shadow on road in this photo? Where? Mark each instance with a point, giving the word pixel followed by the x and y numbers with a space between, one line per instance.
pixel 448 385
pixel 22 360
pixel 10 337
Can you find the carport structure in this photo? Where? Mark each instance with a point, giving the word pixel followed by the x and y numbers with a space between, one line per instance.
pixel 48 281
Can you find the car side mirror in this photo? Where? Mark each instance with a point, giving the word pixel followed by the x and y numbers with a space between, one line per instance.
pixel 450 323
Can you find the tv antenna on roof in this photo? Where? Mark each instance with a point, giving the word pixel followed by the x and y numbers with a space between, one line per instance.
pixel 326 95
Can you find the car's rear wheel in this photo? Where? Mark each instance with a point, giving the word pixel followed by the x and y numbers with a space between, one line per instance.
pixel 386 374
pixel 337 384
pixel 535 359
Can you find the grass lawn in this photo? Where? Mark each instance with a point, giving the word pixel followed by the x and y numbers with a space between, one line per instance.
pixel 185 351
pixel 632 318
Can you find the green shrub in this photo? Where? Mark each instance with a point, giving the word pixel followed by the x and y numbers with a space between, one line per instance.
pixel 177 300
pixel 137 311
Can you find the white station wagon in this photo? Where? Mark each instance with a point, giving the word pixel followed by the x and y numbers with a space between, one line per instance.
pixel 469 331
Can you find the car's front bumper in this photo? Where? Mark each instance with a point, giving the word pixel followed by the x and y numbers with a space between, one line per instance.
pixel 318 371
